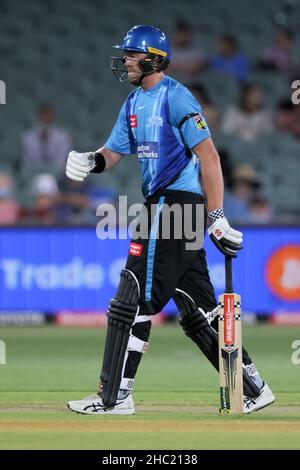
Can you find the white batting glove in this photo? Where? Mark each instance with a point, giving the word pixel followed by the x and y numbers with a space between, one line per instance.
pixel 79 165
pixel 226 239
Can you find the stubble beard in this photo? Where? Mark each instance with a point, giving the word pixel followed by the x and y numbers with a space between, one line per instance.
pixel 134 78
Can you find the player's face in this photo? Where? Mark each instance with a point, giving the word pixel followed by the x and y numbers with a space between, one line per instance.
pixel 132 64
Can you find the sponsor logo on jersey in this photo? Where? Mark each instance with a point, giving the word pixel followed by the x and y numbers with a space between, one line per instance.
pixel 154 121
pixel 199 121
pixel 135 249
pixel 147 150
pixel 133 120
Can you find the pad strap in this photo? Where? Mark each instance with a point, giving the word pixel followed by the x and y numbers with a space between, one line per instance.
pixel 127 384
pixel 136 344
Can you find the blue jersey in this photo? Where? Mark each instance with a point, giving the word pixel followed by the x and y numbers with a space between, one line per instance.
pixel 161 125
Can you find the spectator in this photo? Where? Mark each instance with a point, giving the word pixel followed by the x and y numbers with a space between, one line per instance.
pixel 45 143
pixel 260 210
pixel 250 119
pixel 9 208
pixel 229 59
pixel 211 114
pixel 287 118
pixel 237 203
pixel 74 202
pixel 46 193
pixel 296 121
pixel 284 116
pixel 187 59
pixel 281 55
pixel 226 166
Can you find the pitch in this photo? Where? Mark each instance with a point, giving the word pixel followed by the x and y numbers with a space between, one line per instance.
pixel 176 395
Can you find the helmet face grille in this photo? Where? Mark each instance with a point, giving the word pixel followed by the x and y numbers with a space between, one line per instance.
pixel 117 65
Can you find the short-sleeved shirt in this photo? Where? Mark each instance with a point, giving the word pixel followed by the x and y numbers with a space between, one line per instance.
pixel 161 125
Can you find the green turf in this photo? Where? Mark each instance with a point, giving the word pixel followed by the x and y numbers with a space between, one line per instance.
pixel 176 393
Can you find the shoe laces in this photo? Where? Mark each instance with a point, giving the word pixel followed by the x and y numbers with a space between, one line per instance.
pixel 248 401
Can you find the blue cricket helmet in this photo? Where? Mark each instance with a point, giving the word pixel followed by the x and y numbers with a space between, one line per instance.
pixel 147 39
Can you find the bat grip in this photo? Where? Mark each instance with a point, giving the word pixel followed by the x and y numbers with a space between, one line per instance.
pixel 228 275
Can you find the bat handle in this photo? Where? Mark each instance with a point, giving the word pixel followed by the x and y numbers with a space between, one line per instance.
pixel 228 275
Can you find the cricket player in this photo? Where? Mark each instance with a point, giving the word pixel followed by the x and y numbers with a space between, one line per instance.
pixel 164 126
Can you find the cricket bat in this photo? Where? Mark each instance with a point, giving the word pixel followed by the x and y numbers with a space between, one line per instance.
pixel 230 347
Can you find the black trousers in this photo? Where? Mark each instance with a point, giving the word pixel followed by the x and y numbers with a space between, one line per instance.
pixel 169 258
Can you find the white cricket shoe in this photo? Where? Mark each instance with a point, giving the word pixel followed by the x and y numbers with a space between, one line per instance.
pixel 92 405
pixel 264 399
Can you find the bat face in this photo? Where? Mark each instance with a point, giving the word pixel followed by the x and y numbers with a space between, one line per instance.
pixel 230 354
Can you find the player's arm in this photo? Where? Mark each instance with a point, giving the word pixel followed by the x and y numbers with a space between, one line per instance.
pixel 226 239
pixel 111 158
pixel 211 172
pixel 79 165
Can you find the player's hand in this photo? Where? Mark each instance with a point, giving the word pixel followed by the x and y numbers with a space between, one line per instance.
pixel 226 239
pixel 79 165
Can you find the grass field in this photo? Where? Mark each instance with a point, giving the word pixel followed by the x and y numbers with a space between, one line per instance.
pixel 176 393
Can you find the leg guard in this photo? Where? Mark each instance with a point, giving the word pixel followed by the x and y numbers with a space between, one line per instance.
pixel 120 342
pixel 121 314
pixel 197 326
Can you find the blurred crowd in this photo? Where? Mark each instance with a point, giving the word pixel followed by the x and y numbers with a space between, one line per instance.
pixel 249 118
pixel 54 199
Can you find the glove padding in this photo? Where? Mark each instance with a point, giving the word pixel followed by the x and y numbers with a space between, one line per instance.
pixel 226 239
pixel 79 165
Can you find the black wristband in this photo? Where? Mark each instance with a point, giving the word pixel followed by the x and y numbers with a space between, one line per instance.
pixel 100 163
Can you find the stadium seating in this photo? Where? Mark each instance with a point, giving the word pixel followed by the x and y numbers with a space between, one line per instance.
pixel 59 52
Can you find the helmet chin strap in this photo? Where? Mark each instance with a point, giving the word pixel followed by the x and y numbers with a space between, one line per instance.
pixel 143 75
pixel 139 82
pixel 146 66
